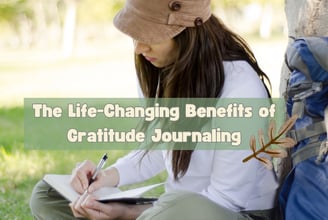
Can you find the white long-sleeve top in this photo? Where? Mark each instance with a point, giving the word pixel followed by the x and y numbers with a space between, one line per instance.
pixel 219 175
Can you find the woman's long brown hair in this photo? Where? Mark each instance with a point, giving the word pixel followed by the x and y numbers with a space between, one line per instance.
pixel 198 71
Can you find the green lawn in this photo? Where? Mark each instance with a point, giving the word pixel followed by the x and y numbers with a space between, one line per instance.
pixel 20 168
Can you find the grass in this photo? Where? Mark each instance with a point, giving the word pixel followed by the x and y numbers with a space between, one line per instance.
pixel 20 168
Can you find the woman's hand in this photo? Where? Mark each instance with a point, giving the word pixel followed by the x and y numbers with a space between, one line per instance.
pixel 87 206
pixel 81 176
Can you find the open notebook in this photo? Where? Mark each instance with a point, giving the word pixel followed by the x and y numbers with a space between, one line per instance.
pixel 61 183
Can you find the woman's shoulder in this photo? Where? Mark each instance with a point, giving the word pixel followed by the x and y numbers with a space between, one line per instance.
pixel 241 81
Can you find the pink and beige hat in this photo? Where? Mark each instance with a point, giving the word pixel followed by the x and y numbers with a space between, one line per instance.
pixel 154 21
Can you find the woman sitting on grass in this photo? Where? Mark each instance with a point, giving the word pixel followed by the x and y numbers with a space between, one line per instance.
pixel 181 51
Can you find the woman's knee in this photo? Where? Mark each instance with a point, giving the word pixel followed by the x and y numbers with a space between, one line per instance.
pixel 186 205
pixel 39 195
pixel 46 203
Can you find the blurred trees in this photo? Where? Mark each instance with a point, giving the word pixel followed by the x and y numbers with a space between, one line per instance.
pixel 48 23
pixel 241 3
pixel 10 9
pixel 31 22
pixel 44 22
pixel 259 13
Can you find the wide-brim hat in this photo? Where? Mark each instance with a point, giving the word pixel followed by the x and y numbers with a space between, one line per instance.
pixel 154 21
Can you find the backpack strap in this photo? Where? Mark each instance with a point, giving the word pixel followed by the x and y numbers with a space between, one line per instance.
pixel 308 151
pixel 319 149
pixel 309 88
pixel 315 87
pixel 308 131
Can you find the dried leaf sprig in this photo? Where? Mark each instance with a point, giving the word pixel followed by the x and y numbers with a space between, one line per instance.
pixel 284 142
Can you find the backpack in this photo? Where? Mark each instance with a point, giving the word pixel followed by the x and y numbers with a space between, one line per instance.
pixel 304 191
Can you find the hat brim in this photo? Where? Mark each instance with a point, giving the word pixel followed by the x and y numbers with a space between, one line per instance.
pixel 144 31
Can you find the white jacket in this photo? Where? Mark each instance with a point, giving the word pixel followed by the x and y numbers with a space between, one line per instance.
pixel 220 175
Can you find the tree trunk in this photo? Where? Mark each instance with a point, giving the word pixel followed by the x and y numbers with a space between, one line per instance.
pixel 304 18
pixel 266 21
pixel 69 28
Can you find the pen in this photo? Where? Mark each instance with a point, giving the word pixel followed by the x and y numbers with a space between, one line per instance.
pixel 98 168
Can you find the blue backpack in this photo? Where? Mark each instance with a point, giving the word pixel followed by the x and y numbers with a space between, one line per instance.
pixel 304 192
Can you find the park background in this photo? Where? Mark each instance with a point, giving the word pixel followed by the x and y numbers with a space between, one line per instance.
pixel 69 48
